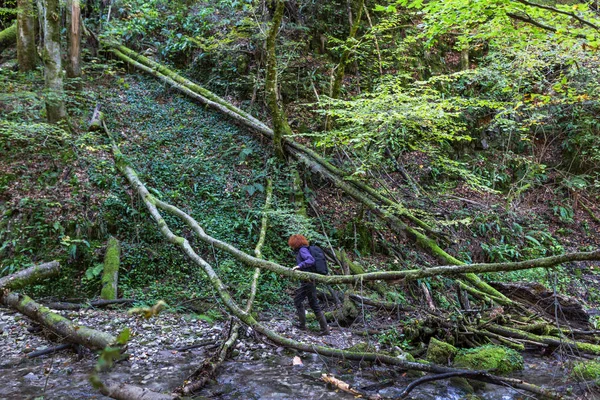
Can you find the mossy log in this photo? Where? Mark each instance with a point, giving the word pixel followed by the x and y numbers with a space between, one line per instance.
pixel 110 275
pixel 61 326
pixel 151 204
pixel 124 391
pixel 30 275
pixel 553 341
pixel 8 37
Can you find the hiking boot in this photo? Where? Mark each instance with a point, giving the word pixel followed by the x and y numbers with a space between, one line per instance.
pixel 301 324
pixel 323 323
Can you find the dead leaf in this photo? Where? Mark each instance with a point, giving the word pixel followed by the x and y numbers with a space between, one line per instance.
pixel 297 361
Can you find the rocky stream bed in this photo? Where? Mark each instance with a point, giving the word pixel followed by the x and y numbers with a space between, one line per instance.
pixel 258 370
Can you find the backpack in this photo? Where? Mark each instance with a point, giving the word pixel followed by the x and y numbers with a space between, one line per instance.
pixel 320 261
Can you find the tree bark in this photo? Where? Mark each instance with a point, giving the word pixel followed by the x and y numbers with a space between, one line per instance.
pixel 280 124
pixel 26 51
pixel 74 39
pixel 29 275
pixel 61 326
pixel 53 75
pixel 8 37
pixel 341 68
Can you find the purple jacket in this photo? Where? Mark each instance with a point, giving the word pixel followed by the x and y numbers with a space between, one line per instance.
pixel 304 259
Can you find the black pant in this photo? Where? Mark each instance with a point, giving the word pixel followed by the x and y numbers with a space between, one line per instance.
pixel 307 289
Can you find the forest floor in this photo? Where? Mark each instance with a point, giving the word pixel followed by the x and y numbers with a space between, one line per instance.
pixel 258 369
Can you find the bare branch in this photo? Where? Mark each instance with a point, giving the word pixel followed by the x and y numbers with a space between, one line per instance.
pixel 533 22
pixel 556 10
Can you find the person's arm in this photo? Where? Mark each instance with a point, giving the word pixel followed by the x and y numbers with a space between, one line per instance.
pixel 307 259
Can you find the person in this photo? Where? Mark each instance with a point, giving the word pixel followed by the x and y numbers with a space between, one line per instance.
pixel 306 262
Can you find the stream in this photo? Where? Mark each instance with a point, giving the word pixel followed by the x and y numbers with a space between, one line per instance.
pixel 258 370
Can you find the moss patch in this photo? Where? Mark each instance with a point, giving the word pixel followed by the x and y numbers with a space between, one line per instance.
pixel 111 270
pixel 440 352
pixel 497 358
pixel 586 371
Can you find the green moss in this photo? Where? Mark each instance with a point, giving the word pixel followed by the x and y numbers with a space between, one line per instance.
pixel 111 270
pixel 8 36
pixel 362 348
pixel 586 371
pixel 440 352
pixel 497 358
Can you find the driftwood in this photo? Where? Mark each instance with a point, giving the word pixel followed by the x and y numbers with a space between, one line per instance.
pixel 124 391
pixel 29 275
pixel 344 387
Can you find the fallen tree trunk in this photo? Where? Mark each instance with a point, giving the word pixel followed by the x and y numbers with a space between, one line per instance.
pixel 220 288
pixel 61 326
pixel 61 305
pixel 124 391
pixel 8 37
pixel 29 275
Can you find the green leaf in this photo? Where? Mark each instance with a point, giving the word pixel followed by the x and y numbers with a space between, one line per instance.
pixel 123 336
pixel 533 240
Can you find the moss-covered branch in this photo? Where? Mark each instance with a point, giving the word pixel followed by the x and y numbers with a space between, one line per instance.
pixel 30 275
pixel 261 241
pixel 61 326
pixel 8 37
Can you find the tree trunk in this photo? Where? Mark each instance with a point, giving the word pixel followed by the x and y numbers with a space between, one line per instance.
pixel 29 275
pixel 61 326
pixel 26 51
pixel 110 275
pixel 50 21
pixel 8 37
pixel 341 68
pixel 74 39
pixel 280 124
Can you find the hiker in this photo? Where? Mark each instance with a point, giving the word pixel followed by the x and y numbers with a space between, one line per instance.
pixel 306 262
